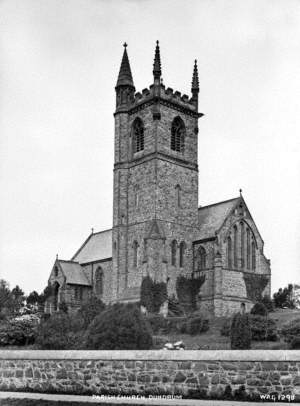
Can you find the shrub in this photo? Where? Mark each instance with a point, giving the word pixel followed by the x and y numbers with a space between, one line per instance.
pixel 63 307
pixel 295 343
pixel 196 325
pixel 263 328
pixel 59 332
pixel 174 307
pixel 225 328
pixel 291 329
pixel 240 332
pixel 90 309
pixel 120 327
pixel 153 294
pixel 20 331
pixel 157 323
pixel 268 302
pixel 260 309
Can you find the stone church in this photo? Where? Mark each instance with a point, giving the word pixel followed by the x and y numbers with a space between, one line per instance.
pixel 158 228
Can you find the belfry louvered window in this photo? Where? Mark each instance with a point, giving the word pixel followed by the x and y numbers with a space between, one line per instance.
pixel 177 135
pixel 138 135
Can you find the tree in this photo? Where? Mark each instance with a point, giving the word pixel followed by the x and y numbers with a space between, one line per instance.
pixel 5 299
pixel 283 298
pixel 18 299
pixel 32 298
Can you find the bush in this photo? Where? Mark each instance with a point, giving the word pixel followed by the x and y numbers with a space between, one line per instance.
pixel 260 309
pixel 291 330
pixel 196 325
pixel 19 331
pixel 90 309
pixel 153 294
pixel 60 331
pixel 268 302
pixel 225 328
pixel 263 328
pixel 240 332
pixel 120 327
pixel 157 323
pixel 295 343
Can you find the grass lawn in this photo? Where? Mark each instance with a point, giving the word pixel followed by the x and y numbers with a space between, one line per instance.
pixel 213 340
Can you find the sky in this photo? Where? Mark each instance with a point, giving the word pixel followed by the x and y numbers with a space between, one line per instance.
pixel 59 62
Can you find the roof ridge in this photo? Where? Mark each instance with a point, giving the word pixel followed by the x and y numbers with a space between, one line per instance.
pixel 215 204
pixel 67 260
pixel 103 231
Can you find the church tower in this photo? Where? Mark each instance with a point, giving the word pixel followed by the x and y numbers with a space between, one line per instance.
pixel 155 206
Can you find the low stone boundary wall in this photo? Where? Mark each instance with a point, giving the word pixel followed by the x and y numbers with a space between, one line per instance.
pixel 197 374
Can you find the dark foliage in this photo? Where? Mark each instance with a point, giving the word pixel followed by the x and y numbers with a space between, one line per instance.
pixel 295 343
pixel 32 298
pixel 197 325
pixel 263 328
pixel 174 307
pixel 283 298
pixel 153 294
pixel 18 332
pixel 268 302
pixel 187 290
pixel 291 330
pixel 240 332
pixel 90 309
pixel 61 331
pixel 255 285
pixel 225 328
pixel 120 327
pixel 63 307
pixel 260 309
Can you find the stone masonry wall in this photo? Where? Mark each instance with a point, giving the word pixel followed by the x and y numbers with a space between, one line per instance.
pixel 206 373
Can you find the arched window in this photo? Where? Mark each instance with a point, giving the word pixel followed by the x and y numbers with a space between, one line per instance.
pixel 235 235
pixel 135 253
pixel 137 135
pixel 229 252
pixel 56 272
pixel 173 252
pixel 181 253
pixel 177 135
pixel 253 255
pixel 178 196
pixel 248 248
pixel 242 245
pixel 99 281
pixel 201 259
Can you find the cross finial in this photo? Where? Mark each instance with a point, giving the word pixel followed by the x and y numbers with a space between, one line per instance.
pixel 92 230
pixel 56 256
pixel 125 45
pixel 241 192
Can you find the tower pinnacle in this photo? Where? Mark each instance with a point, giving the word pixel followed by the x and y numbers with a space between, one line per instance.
pixel 157 64
pixel 195 80
pixel 125 76
pixel 195 85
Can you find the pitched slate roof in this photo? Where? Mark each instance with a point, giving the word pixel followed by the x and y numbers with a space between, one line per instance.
pixel 73 272
pixel 96 247
pixel 212 217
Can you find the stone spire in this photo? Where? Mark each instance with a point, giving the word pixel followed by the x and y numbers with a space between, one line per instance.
pixel 195 85
pixel 157 65
pixel 125 76
pixel 195 80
